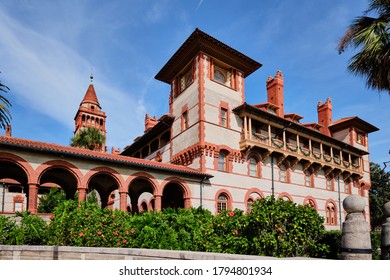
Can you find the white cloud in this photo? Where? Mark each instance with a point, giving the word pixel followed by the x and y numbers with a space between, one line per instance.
pixel 51 78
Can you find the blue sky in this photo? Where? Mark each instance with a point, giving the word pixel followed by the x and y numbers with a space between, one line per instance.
pixel 48 48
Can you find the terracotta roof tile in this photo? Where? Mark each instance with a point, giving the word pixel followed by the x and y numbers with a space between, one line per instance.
pixel 94 155
pixel 90 96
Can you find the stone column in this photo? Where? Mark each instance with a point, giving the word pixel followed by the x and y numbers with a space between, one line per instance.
pixel 123 201
pixel 157 202
pixel 385 242
pixel 355 238
pixel 32 198
pixel 82 194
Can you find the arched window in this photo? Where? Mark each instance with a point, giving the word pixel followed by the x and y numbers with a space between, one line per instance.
pixel 219 77
pixel 253 167
pixel 249 203
pixel 331 218
pixel 283 173
pixel 222 161
pixel 222 203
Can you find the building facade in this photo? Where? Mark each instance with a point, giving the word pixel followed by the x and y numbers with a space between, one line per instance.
pixel 212 149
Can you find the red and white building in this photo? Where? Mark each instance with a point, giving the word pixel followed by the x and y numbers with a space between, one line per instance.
pixel 211 149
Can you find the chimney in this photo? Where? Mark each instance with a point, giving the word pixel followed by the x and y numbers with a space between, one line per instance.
pixel 115 151
pixel 275 92
pixel 8 130
pixel 324 111
pixel 149 122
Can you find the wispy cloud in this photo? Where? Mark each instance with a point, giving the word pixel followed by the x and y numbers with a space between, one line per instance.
pixel 52 78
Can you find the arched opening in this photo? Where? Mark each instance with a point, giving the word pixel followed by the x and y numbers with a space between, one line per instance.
pixel 139 190
pixel 173 196
pixel 58 177
pixel 104 184
pixel 13 187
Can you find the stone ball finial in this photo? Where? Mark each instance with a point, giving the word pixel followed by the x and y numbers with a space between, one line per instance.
pixel 354 203
pixel 386 209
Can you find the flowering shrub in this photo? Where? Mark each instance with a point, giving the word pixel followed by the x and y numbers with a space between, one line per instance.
pixel 282 229
pixel 274 228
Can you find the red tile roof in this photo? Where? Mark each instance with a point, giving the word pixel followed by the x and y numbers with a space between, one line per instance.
pixel 94 155
pixel 90 96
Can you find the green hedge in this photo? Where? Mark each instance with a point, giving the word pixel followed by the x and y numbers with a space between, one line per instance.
pixel 273 228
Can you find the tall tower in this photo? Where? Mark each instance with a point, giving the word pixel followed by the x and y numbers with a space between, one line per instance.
pixel 207 83
pixel 90 113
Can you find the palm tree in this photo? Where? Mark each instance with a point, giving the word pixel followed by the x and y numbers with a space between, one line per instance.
pixel 5 115
pixel 89 138
pixel 372 36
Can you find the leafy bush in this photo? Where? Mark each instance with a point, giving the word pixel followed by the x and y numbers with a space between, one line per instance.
pixel 282 229
pixel 31 231
pixel 7 227
pixel 49 201
pixel 274 228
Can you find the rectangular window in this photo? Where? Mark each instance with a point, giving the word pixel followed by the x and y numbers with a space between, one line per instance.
pixel 184 120
pixel 360 138
pixel 222 162
pixel 224 120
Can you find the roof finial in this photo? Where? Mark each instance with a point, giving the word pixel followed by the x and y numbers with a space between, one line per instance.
pixel 91 76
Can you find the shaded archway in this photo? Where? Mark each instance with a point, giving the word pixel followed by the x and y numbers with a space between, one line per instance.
pixel 14 184
pixel 140 188
pixel 59 177
pixel 173 196
pixel 104 184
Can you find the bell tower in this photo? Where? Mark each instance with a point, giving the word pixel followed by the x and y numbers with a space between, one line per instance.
pixel 90 113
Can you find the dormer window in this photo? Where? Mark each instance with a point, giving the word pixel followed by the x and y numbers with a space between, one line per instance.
pixel 219 77
pixel 223 74
pixel 360 138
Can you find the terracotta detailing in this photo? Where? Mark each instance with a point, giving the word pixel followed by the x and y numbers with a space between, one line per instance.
pixel 82 194
pixel 324 111
pixel 8 130
pixel 149 122
pixel 188 155
pixel 123 201
pixel 115 151
pixel 32 198
pixel 204 60
pixel 90 96
pixel 157 202
pixel 275 92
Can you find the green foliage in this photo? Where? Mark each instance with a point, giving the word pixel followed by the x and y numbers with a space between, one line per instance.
pixel 51 200
pixel 31 231
pixel 332 238
pixel 89 138
pixel 379 194
pixel 5 114
pixel 376 244
pixel 274 228
pixel 282 229
pixel 371 35
pixel 7 227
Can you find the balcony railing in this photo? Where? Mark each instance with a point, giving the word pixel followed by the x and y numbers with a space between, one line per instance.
pixel 313 155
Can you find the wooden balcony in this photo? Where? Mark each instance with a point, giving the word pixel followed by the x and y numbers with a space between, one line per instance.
pixel 281 150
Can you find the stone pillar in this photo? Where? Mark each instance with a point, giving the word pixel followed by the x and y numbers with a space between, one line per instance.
pixel 82 194
pixel 187 203
pixel 355 238
pixel 385 242
pixel 157 202
pixel 32 198
pixel 123 201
